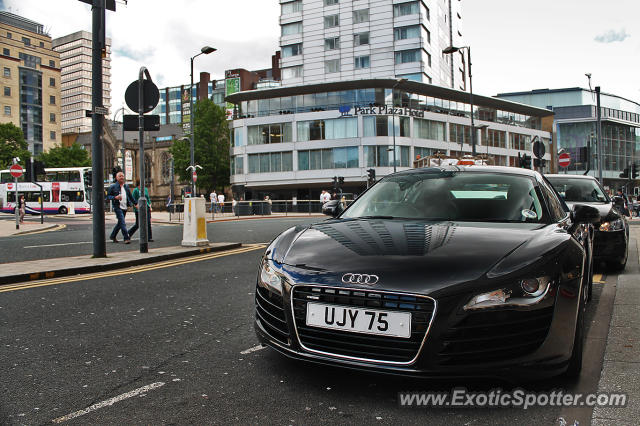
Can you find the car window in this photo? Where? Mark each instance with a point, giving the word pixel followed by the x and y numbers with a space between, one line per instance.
pixel 579 189
pixel 436 194
pixel 557 208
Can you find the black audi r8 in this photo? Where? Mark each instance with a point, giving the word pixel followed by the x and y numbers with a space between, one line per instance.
pixel 474 271
pixel 611 238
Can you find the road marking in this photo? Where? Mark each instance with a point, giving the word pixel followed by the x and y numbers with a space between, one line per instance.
pixel 68 244
pixel 109 402
pixel 131 270
pixel 56 228
pixel 599 278
pixel 253 349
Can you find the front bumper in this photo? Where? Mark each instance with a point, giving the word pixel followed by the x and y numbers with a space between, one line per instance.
pixel 513 343
pixel 609 246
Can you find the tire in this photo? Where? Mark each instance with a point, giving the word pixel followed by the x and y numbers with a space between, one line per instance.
pixel 62 210
pixel 619 265
pixel 575 362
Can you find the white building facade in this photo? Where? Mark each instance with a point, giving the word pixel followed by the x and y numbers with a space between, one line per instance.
pixel 336 40
pixel 75 62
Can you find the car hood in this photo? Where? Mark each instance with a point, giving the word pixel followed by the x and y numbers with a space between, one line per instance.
pixel 606 210
pixel 410 255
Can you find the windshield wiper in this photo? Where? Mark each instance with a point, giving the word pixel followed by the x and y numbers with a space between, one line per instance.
pixel 376 217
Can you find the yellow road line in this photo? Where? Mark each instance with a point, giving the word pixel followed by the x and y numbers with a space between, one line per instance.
pixel 131 270
pixel 57 228
pixel 599 278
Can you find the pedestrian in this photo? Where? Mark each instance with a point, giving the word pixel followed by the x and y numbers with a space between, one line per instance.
pixel 136 205
pixel 213 197
pixel 22 207
pixel 622 195
pixel 221 201
pixel 121 198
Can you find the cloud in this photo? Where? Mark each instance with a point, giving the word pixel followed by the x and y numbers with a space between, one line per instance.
pixel 612 36
pixel 135 54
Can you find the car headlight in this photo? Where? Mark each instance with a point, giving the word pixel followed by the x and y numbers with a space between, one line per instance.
pixel 269 277
pixel 529 292
pixel 614 225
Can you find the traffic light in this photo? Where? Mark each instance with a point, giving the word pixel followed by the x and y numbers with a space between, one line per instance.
pixel 38 169
pixel 335 184
pixel 28 177
pixel 340 182
pixel 88 178
pixel 371 176
pixel 625 173
pixel 524 161
pixel 634 170
pixel 583 156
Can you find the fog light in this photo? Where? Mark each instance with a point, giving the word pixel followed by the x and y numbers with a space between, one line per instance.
pixel 530 285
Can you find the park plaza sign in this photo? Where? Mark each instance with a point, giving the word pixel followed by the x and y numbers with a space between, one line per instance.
pixel 345 111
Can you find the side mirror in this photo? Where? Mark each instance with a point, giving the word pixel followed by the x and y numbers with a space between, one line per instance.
pixel 585 214
pixel 332 208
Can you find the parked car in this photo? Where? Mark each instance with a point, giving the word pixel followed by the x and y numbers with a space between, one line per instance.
pixel 611 239
pixel 447 271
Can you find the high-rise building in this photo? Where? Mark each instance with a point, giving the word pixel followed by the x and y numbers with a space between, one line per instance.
pixel 335 40
pixel 75 61
pixel 30 81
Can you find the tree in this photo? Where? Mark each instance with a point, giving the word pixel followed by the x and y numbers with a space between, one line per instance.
pixel 12 144
pixel 62 156
pixel 211 147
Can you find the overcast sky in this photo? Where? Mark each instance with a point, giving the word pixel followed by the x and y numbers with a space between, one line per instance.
pixel 516 45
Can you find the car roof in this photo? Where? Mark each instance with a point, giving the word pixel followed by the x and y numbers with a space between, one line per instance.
pixel 479 168
pixel 570 176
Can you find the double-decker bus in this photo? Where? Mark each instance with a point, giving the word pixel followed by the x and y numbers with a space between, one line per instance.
pixel 62 188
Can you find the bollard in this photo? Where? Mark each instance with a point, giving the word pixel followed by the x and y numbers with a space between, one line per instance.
pixel 194 228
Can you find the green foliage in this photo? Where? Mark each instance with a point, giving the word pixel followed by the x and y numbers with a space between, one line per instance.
pixel 12 144
pixel 211 148
pixel 60 156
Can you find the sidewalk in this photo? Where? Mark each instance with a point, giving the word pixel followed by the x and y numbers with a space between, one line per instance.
pixel 65 266
pixel 621 367
pixel 8 227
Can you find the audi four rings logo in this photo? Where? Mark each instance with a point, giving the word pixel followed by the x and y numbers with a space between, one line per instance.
pixel 359 279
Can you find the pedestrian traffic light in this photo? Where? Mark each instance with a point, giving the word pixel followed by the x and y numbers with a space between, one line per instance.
pixel 371 176
pixel 634 170
pixel 625 173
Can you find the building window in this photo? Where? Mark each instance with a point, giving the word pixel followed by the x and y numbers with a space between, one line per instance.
pixel 360 39
pixel 237 165
pixel 7 110
pixel 52 135
pixel 269 133
pixel 52 117
pixel 292 72
pixel 428 129
pixel 292 50
pixel 166 167
pixel 42 44
pixel 6 52
pixel 271 162
pixel 331 21
pixel 52 82
pixel 381 125
pixel 382 156
pixel 7 91
pixel 52 63
pixel 331 66
pixel 26 41
pixel 406 56
pixel 519 141
pixel 52 100
pixel 459 133
pixel 404 33
pixel 335 158
pixel 428 36
pixel 330 2
pixel 362 62
pixel 9 35
pixel 360 16
pixel 408 8
pixel 30 60
pixel 495 138
pixel 292 7
pixel 339 128
pixel 292 28
pixel 332 43
pixel 7 72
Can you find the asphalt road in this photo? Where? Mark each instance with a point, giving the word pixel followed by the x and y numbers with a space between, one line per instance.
pixel 168 345
pixel 76 238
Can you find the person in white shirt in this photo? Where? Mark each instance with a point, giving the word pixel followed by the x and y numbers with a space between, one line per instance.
pixel 221 201
pixel 214 200
pixel 325 196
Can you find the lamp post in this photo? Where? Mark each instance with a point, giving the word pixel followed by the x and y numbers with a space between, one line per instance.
pixel 449 50
pixel 122 149
pixel 393 119
pixel 205 50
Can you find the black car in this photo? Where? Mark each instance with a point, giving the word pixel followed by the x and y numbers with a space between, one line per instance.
pixel 611 239
pixel 475 271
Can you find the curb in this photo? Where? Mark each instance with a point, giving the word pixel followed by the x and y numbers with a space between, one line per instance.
pixel 76 270
pixel 33 231
pixel 236 219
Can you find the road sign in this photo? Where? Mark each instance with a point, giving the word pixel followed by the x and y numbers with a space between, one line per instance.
pixel 151 123
pixel 538 149
pixel 150 93
pixel 195 177
pixel 564 160
pixel 100 110
pixel 16 170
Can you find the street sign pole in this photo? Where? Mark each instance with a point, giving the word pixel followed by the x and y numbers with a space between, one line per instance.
pixel 17 212
pixel 142 200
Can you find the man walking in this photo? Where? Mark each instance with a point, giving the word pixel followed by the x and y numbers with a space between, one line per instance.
pixel 214 200
pixel 121 198
pixel 136 198
pixel 221 202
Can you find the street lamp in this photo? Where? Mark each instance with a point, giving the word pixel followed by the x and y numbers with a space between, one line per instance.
pixel 393 119
pixel 205 50
pixel 122 150
pixel 448 51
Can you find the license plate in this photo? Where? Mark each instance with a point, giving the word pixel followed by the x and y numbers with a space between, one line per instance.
pixel 359 320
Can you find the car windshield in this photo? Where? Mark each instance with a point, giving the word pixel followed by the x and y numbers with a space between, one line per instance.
pixel 579 189
pixel 436 194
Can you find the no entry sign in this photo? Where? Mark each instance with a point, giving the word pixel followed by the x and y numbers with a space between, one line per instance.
pixel 16 170
pixel 564 160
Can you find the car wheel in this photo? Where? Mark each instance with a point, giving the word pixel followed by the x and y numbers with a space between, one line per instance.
pixel 62 210
pixel 575 362
pixel 619 265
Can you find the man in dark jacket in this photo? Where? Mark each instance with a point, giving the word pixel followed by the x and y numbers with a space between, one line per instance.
pixel 121 198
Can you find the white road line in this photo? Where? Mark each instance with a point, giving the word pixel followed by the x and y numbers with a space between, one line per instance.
pixel 69 244
pixel 108 402
pixel 253 349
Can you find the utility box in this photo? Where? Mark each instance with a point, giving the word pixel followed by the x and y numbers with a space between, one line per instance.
pixel 194 231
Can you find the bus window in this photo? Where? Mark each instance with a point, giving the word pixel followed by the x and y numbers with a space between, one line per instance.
pixel 29 196
pixel 74 176
pixel 62 176
pixel 50 177
pixel 71 196
pixel 5 177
